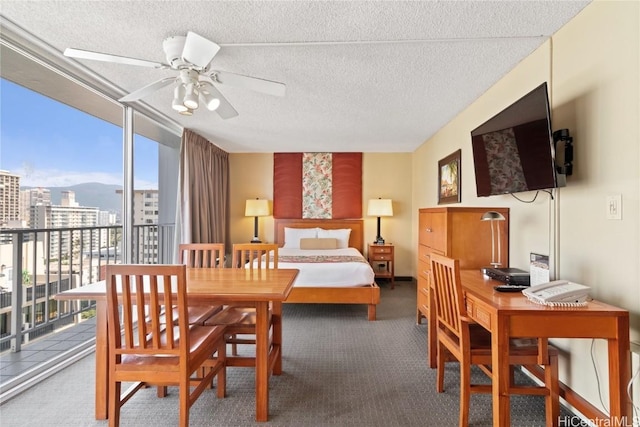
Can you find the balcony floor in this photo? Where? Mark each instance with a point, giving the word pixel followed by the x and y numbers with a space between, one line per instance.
pixel 39 356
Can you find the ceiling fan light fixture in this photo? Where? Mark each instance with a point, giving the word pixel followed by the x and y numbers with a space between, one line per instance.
pixel 191 97
pixel 178 96
pixel 211 102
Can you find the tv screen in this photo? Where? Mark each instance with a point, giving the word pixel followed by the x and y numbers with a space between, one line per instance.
pixel 514 150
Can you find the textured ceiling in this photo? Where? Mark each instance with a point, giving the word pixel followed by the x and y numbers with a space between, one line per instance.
pixel 361 76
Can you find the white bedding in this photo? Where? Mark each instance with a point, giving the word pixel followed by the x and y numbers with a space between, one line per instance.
pixel 331 274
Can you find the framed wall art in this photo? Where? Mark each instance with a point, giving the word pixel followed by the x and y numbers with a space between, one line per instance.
pixel 449 179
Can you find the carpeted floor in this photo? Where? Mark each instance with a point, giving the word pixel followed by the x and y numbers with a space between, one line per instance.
pixel 339 370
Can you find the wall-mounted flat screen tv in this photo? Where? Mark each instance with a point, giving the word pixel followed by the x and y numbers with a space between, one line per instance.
pixel 514 150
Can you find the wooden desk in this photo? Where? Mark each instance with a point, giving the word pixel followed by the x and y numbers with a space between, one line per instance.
pixel 509 315
pixel 210 286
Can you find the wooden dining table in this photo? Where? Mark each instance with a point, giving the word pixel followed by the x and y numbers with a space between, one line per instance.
pixel 209 286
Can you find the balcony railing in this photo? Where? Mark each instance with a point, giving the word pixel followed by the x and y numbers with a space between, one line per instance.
pixel 36 264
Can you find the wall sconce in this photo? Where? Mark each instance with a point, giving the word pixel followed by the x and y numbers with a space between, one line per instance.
pixel 380 207
pixel 494 216
pixel 256 208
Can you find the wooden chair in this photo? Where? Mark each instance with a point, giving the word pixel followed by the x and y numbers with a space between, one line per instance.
pixel 152 352
pixel 241 319
pixel 202 255
pixel 470 344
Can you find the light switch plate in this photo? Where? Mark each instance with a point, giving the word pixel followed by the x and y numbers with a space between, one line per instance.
pixel 614 206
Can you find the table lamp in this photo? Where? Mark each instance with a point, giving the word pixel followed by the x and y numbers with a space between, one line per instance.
pixel 494 216
pixel 256 208
pixel 380 207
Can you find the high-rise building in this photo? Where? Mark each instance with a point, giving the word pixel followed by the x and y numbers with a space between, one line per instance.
pixel 145 206
pixel 145 212
pixel 29 200
pixel 9 198
pixel 71 216
pixel 68 199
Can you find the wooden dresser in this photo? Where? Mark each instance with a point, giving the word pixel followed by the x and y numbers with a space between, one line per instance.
pixel 456 232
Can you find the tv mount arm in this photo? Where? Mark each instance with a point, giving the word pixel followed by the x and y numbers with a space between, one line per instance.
pixel 564 156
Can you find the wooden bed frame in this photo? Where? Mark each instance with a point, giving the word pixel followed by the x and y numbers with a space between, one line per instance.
pixel 369 295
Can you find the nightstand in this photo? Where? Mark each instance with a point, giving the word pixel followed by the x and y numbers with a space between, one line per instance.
pixel 381 258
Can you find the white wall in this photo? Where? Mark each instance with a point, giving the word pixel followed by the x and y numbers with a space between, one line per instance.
pixel 593 69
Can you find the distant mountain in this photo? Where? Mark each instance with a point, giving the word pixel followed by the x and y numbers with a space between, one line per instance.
pixel 91 194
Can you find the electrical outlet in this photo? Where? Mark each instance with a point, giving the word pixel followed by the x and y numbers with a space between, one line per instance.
pixel 635 347
pixel 614 206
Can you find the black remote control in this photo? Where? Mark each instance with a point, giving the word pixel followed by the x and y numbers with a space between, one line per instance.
pixel 510 288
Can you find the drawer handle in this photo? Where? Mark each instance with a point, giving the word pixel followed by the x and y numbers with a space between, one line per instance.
pixel 429 230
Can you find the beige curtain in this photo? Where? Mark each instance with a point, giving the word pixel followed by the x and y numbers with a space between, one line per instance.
pixel 203 205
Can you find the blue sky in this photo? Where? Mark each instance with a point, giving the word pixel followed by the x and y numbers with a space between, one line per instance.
pixel 50 144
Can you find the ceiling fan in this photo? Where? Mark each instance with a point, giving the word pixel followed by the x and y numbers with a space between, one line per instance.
pixel 191 57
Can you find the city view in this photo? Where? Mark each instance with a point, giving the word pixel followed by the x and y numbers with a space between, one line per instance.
pixel 60 207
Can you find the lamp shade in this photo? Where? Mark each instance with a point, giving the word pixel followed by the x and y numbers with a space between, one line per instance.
pixel 256 207
pixel 492 216
pixel 380 207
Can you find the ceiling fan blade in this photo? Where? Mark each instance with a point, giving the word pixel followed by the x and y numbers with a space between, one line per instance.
pixel 87 54
pixel 224 110
pixel 198 50
pixel 148 89
pixel 259 85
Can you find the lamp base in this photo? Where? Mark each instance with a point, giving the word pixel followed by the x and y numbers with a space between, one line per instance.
pixel 256 240
pixel 379 241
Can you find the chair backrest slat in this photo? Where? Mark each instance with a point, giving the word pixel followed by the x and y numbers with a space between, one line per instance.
pixel 201 255
pixel 146 295
pixel 448 292
pixel 255 255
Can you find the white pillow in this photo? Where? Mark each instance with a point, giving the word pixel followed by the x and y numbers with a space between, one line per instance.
pixel 292 236
pixel 341 235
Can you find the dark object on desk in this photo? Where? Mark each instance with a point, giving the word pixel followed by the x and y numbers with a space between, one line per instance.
pixel 510 288
pixel 510 276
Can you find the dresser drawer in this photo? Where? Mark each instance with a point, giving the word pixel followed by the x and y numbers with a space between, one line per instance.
pixel 423 295
pixel 423 253
pixel 423 270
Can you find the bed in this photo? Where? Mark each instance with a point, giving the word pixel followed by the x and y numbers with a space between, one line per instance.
pixel 360 289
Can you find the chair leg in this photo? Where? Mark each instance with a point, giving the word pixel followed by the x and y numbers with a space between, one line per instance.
pixel 465 392
pixel 234 346
pixel 440 369
pixel 161 391
pixel 114 404
pixel 221 378
pixel 185 392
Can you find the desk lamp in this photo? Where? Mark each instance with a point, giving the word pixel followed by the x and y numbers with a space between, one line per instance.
pixel 494 216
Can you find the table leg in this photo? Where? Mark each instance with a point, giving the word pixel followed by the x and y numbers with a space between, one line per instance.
pixel 276 312
pixel 102 367
pixel 501 372
pixel 262 361
pixel 620 374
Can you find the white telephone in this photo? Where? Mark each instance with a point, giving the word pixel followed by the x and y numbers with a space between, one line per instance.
pixel 558 293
